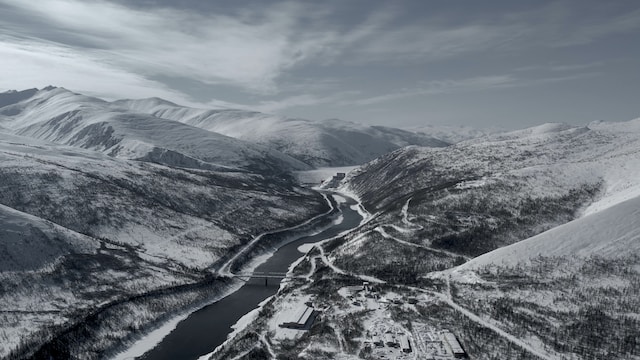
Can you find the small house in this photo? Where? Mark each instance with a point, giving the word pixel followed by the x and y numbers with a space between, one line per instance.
pixel 377 341
pixel 389 340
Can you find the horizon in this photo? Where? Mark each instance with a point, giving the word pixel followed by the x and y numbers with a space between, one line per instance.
pixel 489 130
pixel 492 65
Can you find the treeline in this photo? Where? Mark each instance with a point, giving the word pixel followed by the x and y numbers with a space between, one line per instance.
pixel 110 327
pixel 583 306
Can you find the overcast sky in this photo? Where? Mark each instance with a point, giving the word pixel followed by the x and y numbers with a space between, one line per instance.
pixel 399 63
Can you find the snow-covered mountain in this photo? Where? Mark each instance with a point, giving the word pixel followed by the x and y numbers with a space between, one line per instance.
pixel 319 143
pixel 479 195
pixel 81 230
pixel 526 240
pixel 454 134
pixel 60 116
pixel 110 212
pixel 570 292
pixel 158 130
pixel 520 245
pixel 612 232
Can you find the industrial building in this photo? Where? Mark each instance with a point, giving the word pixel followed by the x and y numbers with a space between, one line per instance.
pixel 302 318
pixel 405 345
pixel 453 343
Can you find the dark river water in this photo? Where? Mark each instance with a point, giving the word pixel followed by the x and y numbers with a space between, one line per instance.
pixel 203 330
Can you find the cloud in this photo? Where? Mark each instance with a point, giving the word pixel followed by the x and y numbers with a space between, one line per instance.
pixel 249 51
pixel 586 32
pixel 36 64
pixel 444 87
pixel 285 49
pixel 560 67
pixel 301 100
pixel 425 43
pixel 480 83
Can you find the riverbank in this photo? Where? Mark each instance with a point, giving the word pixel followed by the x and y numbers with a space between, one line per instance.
pixel 257 255
pixel 239 328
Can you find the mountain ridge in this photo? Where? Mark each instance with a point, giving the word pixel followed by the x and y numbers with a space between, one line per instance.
pixel 294 143
pixel 61 116
pixel 330 142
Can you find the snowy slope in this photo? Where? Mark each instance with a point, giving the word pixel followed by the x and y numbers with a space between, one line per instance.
pixel 611 232
pixel 454 134
pixel 80 229
pixel 60 116
pixel 547 157
pixel 319 143
pixel 167 212
pixel 42 242
pixel 475 196
pixel 610 225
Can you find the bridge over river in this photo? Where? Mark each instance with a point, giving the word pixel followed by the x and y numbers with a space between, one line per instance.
pixel 265 275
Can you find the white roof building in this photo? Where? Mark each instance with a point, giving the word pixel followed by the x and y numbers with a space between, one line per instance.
pixel 300 318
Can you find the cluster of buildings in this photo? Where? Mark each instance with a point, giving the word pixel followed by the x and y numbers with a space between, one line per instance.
pixel 398 340
pixel 388 339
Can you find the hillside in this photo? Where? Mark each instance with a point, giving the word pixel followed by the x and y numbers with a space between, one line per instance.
pixel 523 245
pixel 318 143
pixel 573 288
pixel 609 233
pixel 160 131
pixel 454 134
pixel 82 232
pixel 60 116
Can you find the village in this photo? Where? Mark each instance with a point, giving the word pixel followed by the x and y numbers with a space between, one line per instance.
pixel 383 338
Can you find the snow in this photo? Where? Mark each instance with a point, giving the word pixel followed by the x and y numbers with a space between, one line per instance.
pixel 68 184
pixel 63 117
pixel 150 340
pixel 153 338
pixel 454 134
pixel 304 248
pixel 46 241
pixel 612 232
pixel 319 143
pixel 286 306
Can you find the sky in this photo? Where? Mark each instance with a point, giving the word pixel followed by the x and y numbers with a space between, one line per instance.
pixel 405 63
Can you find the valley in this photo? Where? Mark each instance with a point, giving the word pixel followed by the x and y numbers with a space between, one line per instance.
pixel 126 226
pixel 522 245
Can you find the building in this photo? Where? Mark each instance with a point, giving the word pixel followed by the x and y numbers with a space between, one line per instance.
pixel 389 340
pixel 377 341
pixel 301 318
pixel 405 345
pixel 454 345
pixel 334 181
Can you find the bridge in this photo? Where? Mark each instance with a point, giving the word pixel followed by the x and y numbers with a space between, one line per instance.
pixel 264 275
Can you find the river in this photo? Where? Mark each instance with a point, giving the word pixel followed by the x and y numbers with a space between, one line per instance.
pixel 205 329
